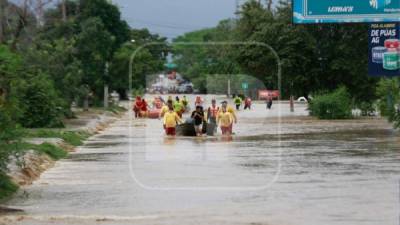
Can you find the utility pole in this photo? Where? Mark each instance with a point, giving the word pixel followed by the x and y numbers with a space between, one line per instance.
pixel 106 86
pixel 64 10
pixel 2 19
pixel 269 5
pixel 40 12
pixel 229 86
pixel 291 98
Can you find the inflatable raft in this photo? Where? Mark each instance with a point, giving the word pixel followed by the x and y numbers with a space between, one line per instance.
pixel 187 129
pixel 154 113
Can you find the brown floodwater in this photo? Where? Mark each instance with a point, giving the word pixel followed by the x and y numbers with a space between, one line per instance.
pixel 279 168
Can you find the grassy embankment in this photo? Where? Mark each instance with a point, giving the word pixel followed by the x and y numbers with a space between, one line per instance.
pixel 18 147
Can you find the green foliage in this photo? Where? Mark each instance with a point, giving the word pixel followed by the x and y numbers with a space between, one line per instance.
pixel 57 58
pixel 51 150
pixel 41 104
pixel 366 108
pixel 140 91
pixel 312 58
pixel 389 99
pixel 94 45
pixel 8 127
pixel 74 138
pixel 148 54
pixel 110 16
pixel 334 105
pixel 7 187
pixel 200 57
pixel 389 96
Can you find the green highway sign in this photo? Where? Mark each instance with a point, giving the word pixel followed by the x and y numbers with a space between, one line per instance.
pixel 342 11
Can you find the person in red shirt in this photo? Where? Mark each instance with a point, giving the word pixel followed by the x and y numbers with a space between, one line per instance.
pixel 137 106
pixel 247 103
pixel 143 109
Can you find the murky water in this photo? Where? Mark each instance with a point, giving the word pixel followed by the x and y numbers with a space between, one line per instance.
pixel 288 171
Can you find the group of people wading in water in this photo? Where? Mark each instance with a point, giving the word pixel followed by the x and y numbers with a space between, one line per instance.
pixel 171 112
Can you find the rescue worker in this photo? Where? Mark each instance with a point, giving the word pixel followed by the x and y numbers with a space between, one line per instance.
pixel 143 109
pixel 232 112
pixel 247 103
pixel 178 107
pixel 212 112
pixel 171 119
pixel 165 108
pixel 198 102
pixel 238 102
pixel 137 106
pixel 225 120
pixel 157 103
pixel 185 102
pixel 269 101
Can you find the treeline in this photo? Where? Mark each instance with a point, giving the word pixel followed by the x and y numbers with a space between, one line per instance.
pixel 67 53
pixel 313 58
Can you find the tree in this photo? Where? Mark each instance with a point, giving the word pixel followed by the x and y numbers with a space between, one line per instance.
pixel 40 103
pixel 151 52
pixel 57 58
pixel 10 67
pixel 94 45
pixel 110 16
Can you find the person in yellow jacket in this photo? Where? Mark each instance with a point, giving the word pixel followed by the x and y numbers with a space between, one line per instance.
pixel 171 119
pixel 225 120
pixel 232 112
pixel 165 108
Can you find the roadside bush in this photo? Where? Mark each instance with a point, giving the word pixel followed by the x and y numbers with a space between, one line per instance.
pixel 41 105
pixel 7 187
pixel 366 108
pixel 74 138
pixel 334 105
pixel 8 127
pixel 388 93
pixel 51 150
pixel 138 92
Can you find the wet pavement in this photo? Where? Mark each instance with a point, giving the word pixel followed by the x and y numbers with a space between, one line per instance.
pixel 287 170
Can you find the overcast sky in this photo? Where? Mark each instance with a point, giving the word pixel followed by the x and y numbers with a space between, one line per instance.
pixel 171 18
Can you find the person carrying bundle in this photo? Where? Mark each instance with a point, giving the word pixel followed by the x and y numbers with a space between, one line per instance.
pixel 198 119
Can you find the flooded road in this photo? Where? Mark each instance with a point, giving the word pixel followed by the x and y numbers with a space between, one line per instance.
pixel 288 170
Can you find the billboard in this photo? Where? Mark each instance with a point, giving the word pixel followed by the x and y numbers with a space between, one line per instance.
pixel 345 11
pixel 384 49
pixel 265 94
